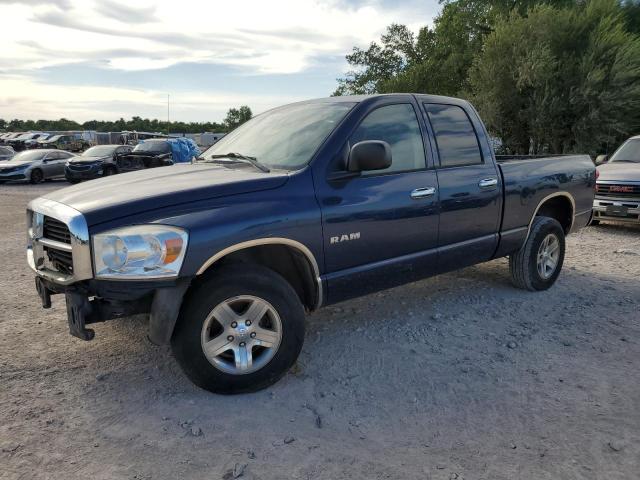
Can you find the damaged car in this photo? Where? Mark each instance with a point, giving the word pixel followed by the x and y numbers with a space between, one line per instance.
pixel 148 154
pixel 98 161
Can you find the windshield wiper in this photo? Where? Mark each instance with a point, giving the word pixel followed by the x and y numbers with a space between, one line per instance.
pixel 245 158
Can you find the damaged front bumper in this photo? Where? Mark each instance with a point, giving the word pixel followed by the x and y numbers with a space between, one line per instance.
pixel 58 252
pixel 95 301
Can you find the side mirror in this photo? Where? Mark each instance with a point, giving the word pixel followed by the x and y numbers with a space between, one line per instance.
pixel 369 155
pixel 600 159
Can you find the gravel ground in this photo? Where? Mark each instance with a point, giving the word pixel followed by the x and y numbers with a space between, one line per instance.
pixel 456 377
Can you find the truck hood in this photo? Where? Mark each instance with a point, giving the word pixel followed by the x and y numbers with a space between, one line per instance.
pixel 117 196
pixel 623 171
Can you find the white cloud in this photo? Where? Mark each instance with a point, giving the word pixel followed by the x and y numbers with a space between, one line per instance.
pixel 89 102
pixel 274 37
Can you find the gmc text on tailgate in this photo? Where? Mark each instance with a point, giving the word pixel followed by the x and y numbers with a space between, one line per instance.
pixel 303 206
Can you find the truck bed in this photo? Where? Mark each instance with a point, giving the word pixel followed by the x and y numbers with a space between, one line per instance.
pixel 528 180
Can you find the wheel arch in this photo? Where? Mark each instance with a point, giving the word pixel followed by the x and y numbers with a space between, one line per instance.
pixel 559 205
pixel 289 258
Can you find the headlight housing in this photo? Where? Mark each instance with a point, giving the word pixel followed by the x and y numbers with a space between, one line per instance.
pixel 141 251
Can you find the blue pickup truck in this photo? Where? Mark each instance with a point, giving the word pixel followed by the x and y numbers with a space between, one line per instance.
pixel 305 205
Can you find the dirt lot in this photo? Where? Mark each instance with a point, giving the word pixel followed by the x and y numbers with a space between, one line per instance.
pixel 456 377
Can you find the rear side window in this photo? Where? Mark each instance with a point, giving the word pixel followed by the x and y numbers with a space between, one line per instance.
pixel 455 136
pixel 398 126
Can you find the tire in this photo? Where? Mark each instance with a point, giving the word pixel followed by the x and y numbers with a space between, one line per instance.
pixel 524 264
pixel 107 171
pixel 36 176
pixel 236 286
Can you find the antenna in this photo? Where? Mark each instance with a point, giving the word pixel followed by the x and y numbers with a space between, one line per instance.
pixel 168 127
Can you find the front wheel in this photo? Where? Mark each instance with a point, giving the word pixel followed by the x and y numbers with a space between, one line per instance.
pixel 108 171
pixel 537 265
pixel 36 176
pixel 240 330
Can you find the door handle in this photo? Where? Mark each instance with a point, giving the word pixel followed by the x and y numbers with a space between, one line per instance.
pixel 488 183
pixel 423 192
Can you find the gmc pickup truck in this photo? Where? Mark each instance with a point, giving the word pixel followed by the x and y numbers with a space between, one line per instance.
pixel 618 185
pixel 305 205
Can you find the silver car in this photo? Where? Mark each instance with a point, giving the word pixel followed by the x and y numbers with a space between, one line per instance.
pixel 6 153
pixel 35 165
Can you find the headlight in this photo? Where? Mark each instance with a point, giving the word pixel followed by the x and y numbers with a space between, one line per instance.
pixel 143 251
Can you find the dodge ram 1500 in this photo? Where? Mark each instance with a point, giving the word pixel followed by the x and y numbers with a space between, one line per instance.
pixel 305 205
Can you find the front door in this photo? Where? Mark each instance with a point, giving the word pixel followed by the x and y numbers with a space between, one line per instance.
pixel 381 228
pixel 53 165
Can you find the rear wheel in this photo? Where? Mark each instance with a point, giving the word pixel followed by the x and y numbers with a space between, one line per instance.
pixel 240 330
pixel 537 265
pixel 36 176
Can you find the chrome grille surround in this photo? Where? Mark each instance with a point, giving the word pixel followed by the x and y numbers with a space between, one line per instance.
pixel 79 247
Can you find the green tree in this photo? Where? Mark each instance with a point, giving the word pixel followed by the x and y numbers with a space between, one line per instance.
pixel 437 60
pixel 379 63
pixel 237 116
pixel 559 79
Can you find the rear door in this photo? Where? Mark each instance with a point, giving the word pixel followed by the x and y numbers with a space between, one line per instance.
pixel 469 185
pixel 381 228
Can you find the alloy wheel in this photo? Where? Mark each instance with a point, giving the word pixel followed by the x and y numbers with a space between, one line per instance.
pixel 548 256
pixel 241 334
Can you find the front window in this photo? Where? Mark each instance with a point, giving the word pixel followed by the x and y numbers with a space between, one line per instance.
pixel 285 137
pixel 398 126
pixel 28 156
pixel 628 152
pixel 99 151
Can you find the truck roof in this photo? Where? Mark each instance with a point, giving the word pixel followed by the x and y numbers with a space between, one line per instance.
pixel 362 98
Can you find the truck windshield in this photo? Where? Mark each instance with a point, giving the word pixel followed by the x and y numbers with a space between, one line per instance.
pixel 628 152
pixel 285 137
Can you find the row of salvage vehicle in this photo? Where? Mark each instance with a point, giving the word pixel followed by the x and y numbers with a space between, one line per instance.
pixel 30 140
pixel 37 165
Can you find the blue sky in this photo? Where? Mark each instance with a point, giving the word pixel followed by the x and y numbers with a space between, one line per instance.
pixel 105 59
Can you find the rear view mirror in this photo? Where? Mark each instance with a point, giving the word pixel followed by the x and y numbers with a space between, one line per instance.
pixel 369 155
pixel 600 159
